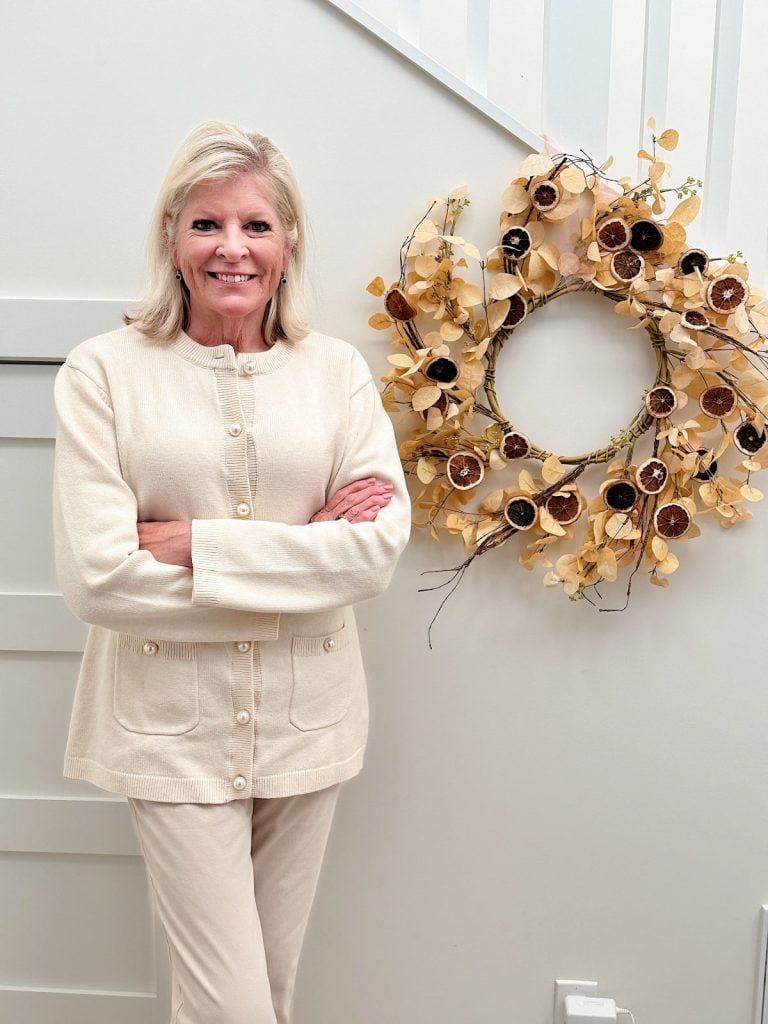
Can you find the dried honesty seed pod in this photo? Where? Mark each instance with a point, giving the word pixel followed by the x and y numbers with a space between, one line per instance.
pixel 652 476
pixel 626 265
pixel 465 470
pixel 518 310
pixel 514 445
pixel 660 401
pixel 398 307
pixel 747 439
pixel 711 471
pixel 672 520
pixel 545 195
pixel 645 236
pixel 441 404
pixel 620 495
pixel 515 243
pixel 694 320
pixel 718 401
pixel 441 370
pixel 564 506
pixel 613 234
pixel 725 293
pixel 692 260
pixel 521 512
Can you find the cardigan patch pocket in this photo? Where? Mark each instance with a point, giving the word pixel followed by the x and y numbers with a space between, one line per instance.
pixel 323 671
pixel 156 686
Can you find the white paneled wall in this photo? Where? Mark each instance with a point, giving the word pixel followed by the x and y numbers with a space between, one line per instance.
pixel 695 65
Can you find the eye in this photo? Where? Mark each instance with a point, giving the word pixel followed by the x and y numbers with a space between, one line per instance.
pixel 201 225
pixel 259 226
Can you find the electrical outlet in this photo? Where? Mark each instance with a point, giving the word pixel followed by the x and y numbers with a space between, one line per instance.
pixel 567 988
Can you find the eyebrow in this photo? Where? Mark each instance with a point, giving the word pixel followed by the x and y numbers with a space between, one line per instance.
pixel 203 212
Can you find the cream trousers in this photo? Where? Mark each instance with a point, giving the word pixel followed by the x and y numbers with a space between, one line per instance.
pixel 233 885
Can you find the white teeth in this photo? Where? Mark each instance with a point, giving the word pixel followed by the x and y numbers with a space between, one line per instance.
pixel 233 278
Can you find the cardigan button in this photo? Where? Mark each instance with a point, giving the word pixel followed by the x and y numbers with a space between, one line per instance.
pixel 329 643
pixel 243 646
pixel 243 509
pixel 239 782
pixel 243 717
pixel 235 429
pixel 250 367
pixel 149 648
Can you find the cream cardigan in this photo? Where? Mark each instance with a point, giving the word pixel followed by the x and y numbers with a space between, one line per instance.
pixel 242 676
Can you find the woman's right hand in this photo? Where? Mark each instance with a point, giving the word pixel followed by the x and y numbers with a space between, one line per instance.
pixel 359 502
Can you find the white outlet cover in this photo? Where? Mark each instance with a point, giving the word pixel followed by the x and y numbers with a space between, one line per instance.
pixel 565 987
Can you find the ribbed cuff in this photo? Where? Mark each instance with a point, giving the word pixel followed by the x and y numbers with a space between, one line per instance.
pixel 205 558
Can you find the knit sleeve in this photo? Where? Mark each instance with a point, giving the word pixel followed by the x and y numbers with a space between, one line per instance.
pixel 268 566
pixel 105 578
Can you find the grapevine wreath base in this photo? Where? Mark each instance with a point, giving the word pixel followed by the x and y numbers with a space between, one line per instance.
pixel 699 432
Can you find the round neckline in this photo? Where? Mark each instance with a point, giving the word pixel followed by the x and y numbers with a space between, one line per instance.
pixel 224 356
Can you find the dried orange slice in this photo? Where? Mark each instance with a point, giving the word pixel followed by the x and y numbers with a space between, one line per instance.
pixel 711 471
pixel 645 235
pixel 398 307
pixel 620 495
pixel 613 234
pixel 626 265
pixel 718 401
pixel 660 401
pixel 465 470
pixel 514 445
pixel 515 243
pixel 672 520
pixel 694 320
pixel 747 438
pixel 692 260
pixel 521 512
pixel 726 292
pixel 545 195
pixel 518 310
pixel 564 507
pixel 652 476
pixel 441 370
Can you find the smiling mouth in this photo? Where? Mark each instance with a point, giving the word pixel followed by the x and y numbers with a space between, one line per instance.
pixel 231 278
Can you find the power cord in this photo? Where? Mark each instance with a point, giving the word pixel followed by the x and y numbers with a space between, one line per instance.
pixel 620 1009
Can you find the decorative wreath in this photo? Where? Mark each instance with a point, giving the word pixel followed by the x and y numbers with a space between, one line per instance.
pixel 707 405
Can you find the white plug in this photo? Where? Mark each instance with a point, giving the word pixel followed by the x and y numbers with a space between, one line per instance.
pixel 589 1010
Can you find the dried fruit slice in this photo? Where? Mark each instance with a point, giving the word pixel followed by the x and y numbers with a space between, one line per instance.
pixel 441 370
pixel 514 445
pixel 711 471
pixel 694 320
pixel 518 310
pixel 718 401
pixel 613 234
pixel 645 235
pixel 545 195
pixel 521 512
pixel 692 260
pixel 672 520
pixel 515 243
pixel 398 307
pixel 465 470
pixel 726 292
pixel 651 476
pixel 660 401
pixel 564 507
pixel 747 438
pixel 620 495
pixel 626 265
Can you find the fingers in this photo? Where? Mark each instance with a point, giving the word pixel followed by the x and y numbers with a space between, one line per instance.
pixel 355 493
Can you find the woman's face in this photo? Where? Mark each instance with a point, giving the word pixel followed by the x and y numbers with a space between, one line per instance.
pixel 230 229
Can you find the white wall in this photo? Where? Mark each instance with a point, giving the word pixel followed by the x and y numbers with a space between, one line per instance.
pixel 549 792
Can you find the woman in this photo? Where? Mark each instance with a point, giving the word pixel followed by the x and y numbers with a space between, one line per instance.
pixel 227 485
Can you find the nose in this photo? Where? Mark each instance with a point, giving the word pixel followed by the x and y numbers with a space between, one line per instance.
pixel 232 245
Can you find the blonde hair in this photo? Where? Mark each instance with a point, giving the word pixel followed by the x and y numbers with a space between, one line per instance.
pixel 218 150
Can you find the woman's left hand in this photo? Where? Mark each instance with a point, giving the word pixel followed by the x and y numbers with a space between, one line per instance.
pixel 167 542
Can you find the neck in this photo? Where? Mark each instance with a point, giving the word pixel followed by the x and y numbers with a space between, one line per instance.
pixel 243 335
